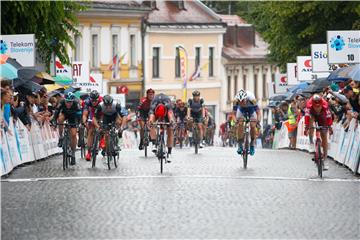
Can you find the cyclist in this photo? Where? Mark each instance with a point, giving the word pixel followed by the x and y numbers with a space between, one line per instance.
pixel 247 105
pixel 197 112
pixel 109 111
pixel 161 110
pixel 317 110
pixel 180 115
pixel 143 113
pixel 68 109
pixel 89 108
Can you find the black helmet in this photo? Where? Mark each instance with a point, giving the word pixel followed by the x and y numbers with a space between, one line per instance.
pixel 69 97
pixel 108 100
pixel 196 93
pixel 94 95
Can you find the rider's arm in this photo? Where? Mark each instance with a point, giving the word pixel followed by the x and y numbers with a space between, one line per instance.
pixel 307 117
pixel 97 116
pixel 258 114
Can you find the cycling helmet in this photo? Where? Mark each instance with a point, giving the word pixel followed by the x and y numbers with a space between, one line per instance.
pixel 160 111
pixel 94 95
pixel 150 90
pixel 317 98
pixel 69 97
pixel 241 95
pixel 196 93
pixel 108 100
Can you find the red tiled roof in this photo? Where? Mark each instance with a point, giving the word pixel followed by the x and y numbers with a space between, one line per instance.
pixel 232 20
pixel 167 12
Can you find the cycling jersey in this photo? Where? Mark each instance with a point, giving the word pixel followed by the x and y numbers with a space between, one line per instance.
pixel 109 114
pixel 250 107
pixel 144 108
pixel 88 106
pixel 180 113
pixel 72 114
pixel 323 117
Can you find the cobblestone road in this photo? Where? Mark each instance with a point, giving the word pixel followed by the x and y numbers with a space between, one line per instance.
pixel 199 196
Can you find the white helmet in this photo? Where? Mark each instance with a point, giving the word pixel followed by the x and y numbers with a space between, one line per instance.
pixel 241 95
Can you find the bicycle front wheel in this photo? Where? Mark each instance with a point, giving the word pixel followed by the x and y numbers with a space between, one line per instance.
pixel 318 158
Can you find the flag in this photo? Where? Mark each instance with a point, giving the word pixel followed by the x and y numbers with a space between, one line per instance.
pixel 196 74
pixel 183 64
pixel 112 62
pixel 122 58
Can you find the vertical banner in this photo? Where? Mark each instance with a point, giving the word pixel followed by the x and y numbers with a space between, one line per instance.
pixel 319 58
pixel 281 83
pixel 183 65
pixel 343 46
pixel 292 73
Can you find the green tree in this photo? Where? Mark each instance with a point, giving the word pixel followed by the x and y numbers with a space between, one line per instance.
pixel 52 22
pixel 291 27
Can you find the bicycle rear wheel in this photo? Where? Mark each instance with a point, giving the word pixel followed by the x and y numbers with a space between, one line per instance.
pixel 246 151
pixel 94 150
pixel 318 158
pixel 65 153
pixel 161 156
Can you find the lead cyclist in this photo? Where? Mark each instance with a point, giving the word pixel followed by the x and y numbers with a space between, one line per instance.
pixel 247 105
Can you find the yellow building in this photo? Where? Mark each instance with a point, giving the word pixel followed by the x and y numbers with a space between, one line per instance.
pixel 196 28
pixel 111 31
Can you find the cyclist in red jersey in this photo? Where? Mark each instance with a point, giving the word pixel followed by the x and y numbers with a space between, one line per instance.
pixel 317 110
pixel 143 113
pixel 89 108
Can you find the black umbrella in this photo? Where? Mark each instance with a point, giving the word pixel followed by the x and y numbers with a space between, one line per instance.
pixel 27 73
pixel 72 89
pixel 54 93
pixel 317 86
pixel 14 63
pixel 84 96
pixel 278 97
pixel 29 87
pixel 273 104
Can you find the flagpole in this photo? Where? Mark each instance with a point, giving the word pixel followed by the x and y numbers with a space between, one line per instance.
pixel 187 74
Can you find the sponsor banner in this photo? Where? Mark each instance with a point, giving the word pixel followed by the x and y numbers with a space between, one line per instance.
pixel 20 47
pixel 63 70
pixel 343 46
pixel 12 145
pixel 292 73
pixel 25 143
pixel 319 58
pixel 95 83
pixel 304 67
pixel 6 164
pixel 281 83
pixel 80 72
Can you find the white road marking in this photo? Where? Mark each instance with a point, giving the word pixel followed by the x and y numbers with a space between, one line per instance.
pixel 180 176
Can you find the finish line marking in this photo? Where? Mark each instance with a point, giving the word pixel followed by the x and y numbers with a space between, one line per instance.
pixel 180 176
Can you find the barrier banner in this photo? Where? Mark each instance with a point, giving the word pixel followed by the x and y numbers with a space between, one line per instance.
pixel 25 143
pixel 354 151
pixel 12 145
pixel 284 141
pixel 37 141
pixel 6 165
pixel 334 141
pixel 351 132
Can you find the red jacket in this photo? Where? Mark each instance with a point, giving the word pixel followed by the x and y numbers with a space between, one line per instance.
pixel 323 118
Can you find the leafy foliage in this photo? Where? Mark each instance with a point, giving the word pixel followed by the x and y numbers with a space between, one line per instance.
pixel 52 22
pixel 291 27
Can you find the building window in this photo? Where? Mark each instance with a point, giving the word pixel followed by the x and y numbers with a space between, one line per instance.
pixel 94 51
pixel 181 4
pixel 256 85
pixel 273 77
pixel 177 63
pixel 244 82
pixel 197 57
pixel 235 84
pixel 229 88
pixel 115 44
pixel 264 86
pixel 156 63
pixel 211 62
pixel 77 47
pixel 132 50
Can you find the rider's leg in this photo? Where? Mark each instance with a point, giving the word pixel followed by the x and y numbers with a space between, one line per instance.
pixel 252 132
pixel 142 126
pixel 73 140
pixel 201 132
pixel 324 142
pixel 311 130
pixel 241 131
pixel 90 136
pixel 170 139
pixel 61 120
